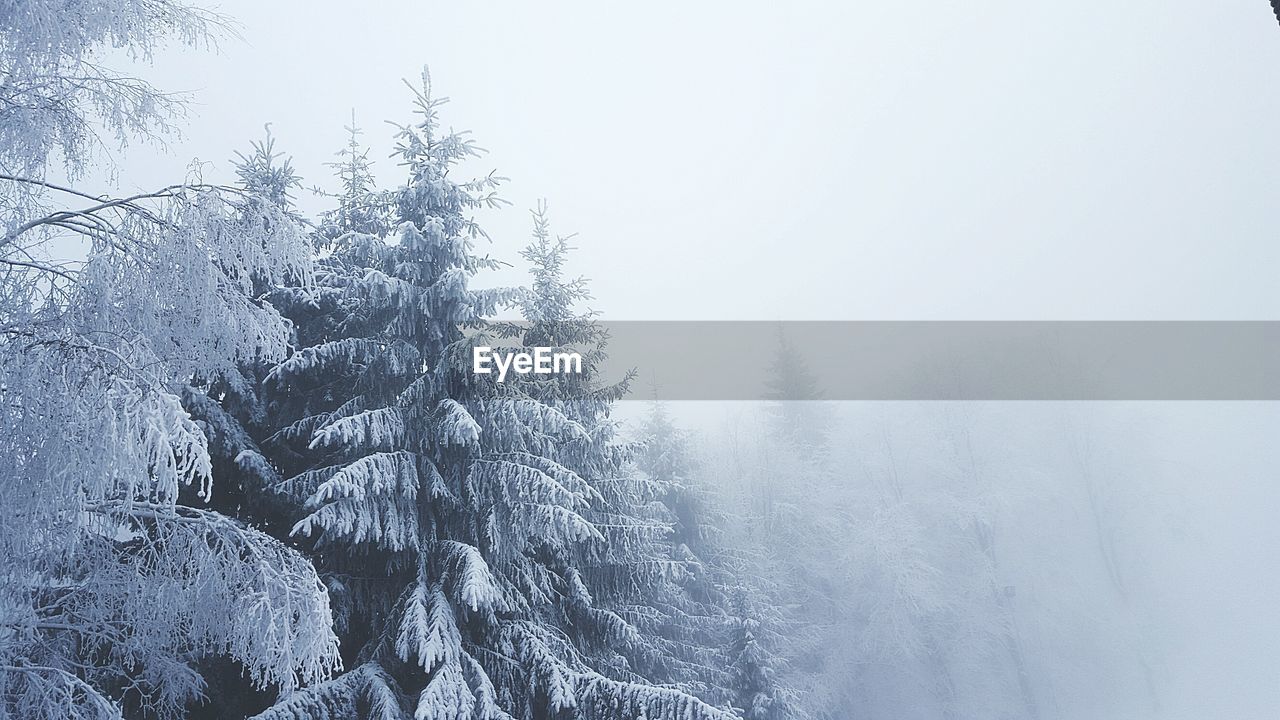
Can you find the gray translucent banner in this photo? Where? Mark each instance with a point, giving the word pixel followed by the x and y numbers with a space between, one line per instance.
pixel 948 360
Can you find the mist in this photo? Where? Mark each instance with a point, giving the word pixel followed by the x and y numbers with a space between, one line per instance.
pixel 247 472
pixel 818 161
pixel 1133 540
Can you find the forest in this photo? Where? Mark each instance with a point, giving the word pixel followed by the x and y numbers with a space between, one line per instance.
pixel 247 471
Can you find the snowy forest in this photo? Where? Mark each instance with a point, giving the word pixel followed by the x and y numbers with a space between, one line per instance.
pixel 246 470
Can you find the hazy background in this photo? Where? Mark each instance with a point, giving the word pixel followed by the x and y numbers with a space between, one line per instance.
pixel 861 160
pixel 804 160
pixel 1138 539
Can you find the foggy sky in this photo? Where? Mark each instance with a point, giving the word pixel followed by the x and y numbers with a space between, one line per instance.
pixel 980 160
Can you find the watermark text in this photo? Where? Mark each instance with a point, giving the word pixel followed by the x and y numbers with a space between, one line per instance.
pixel 541 361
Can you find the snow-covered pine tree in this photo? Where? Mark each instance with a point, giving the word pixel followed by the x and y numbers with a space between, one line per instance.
pixel 752 680
pixel 666 460
pixel 724 605
pixel 696 618
pixel 263 173
pixel 789 548
pixel 455 542
pixel 267 175
pixel 640 574
pixel 361 207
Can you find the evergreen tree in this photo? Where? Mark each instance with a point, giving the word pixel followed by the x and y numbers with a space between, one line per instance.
pixel 644 572
pixel 796 411
pixel 750 666
pixel 361 207
pixel 784 525
pixel 263 173
pixel 474 535
pixel 698 620
pixel 725 606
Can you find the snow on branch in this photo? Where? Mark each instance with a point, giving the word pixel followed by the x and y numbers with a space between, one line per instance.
pixel 369 500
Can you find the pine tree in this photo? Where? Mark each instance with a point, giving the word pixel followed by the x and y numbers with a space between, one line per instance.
pixel 698 619
pixel 459 523
pixel 262 173
pixel 724 606
pixel 784 525
pixel 796 411
pixel 645 572
pixel 751 670
pixel 361 207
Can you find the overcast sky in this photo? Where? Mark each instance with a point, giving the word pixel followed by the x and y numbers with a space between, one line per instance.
pixel 800 160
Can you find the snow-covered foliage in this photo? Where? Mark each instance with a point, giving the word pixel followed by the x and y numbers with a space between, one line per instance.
pixel 98 454
pixel 920 568
pixel 361 207
pixel 726 615
pixel 489 548
pixel 264 173
pixel 57 100
pixel 114 587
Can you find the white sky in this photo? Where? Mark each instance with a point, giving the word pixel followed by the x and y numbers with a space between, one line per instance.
pixel 989 159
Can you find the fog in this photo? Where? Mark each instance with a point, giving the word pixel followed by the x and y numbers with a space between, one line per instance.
pixel 1137 540
pixel 988 160
pixel 811 160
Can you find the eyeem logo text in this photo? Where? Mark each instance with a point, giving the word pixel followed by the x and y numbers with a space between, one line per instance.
pixel 542 361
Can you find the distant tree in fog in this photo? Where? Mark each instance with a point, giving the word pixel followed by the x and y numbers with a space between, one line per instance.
pixel 796 406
